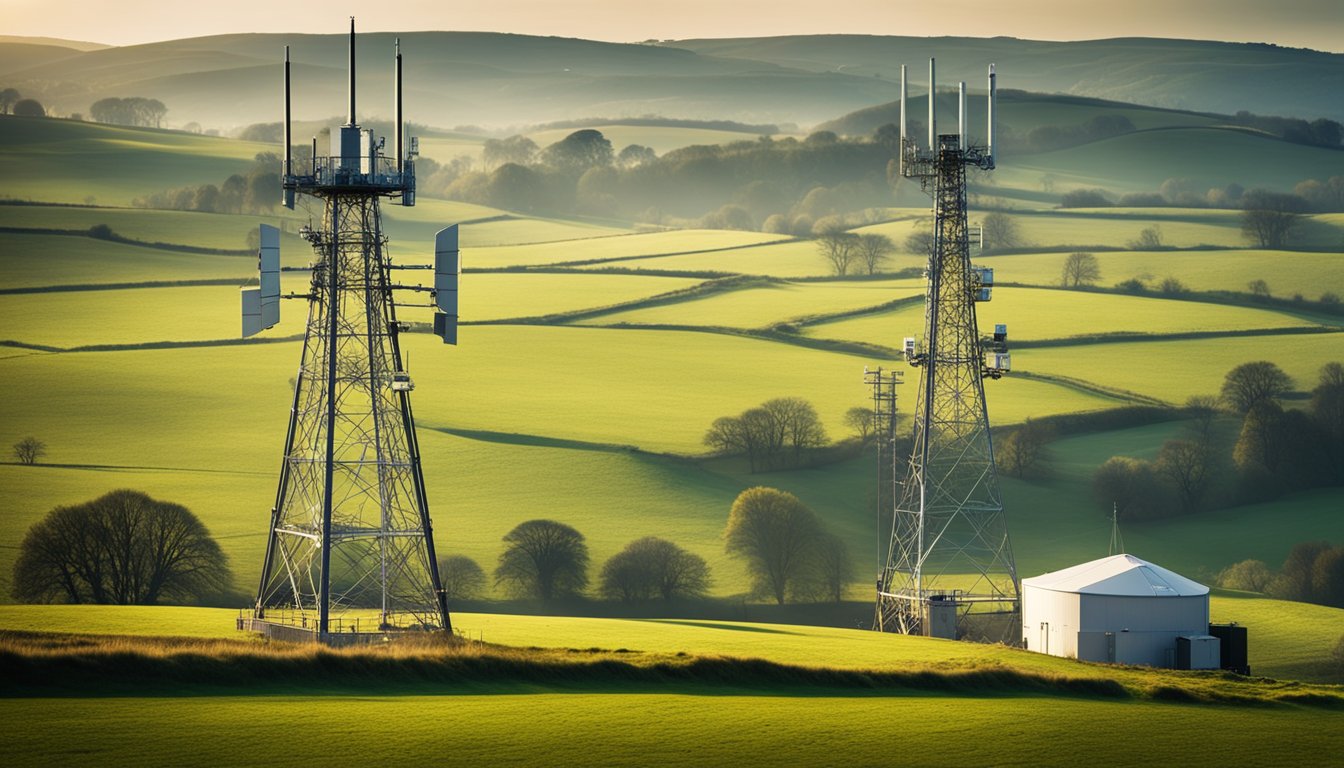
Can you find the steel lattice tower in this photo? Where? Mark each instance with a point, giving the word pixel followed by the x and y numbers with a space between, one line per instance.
pixel 949 568
pixel 350 550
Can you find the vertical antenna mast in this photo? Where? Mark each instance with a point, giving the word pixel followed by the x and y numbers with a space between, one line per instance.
pixel 351 119
pixel 961 115
pixel 396 144
pixel 903 121
pixel 933 126
pixel 989 140
pixel 287 195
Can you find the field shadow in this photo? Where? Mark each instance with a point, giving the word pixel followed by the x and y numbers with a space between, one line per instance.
pixel 714 625
pixel 535 441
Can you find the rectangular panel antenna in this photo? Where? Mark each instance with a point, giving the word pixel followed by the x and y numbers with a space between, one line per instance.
pixel 268 263
pixel 447 270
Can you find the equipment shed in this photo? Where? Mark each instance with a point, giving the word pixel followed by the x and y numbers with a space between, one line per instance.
pixel 1119 609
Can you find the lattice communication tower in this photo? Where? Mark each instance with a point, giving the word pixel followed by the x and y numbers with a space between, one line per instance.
pixel 350 548
pixel 949 568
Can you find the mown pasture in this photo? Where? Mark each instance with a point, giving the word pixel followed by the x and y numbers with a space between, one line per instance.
pixel 572 422
pixel 621 715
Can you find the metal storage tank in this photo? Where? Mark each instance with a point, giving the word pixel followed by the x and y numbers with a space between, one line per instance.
pixel 1118 609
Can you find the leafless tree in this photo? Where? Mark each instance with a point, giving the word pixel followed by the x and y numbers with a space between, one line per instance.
pixel 543 559
pixel 461 577
pixel 1188 466
pixel 1080 269
pixel 874 251
pixel 839 248
pixel 1000 231
pixel 1024 452
pixel 1268 219
pixel 29 450
pixel 122 548
pixel 1250 384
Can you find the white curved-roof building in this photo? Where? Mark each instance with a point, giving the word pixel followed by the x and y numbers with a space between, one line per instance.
pixel 1120 609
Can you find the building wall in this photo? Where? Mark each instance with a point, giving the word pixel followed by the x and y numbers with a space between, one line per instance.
pixel 1050 621
pixel 1077 626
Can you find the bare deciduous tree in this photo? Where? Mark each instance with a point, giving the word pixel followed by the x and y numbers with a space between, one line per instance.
pixel 543 559
pixel 652 567
pixel 1000 231
pixel 1250 384
pixel 29 450
pixel 122 548
pixel 839 248
pixel 461 578
pixel 1080 268
pixel 874 251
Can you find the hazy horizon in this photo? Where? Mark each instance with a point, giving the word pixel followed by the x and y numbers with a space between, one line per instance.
pixel 1314 24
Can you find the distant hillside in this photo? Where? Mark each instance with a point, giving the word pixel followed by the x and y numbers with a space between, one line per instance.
pixel 1178 74
pixel 59 42
pixel 502 80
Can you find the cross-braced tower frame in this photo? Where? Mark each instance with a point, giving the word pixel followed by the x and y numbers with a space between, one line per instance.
pixel 949 568
pixel 350 548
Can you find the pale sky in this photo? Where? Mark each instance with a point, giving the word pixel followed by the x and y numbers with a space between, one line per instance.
pixel 1315 24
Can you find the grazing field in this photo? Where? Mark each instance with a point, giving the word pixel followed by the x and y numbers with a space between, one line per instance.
pixel 28 261
pixel 201 230
pixel 1142 160
pixel 769 305
pixel 1034 314
pixel 647 705
pixel 1175 370
pixel 629 251
pixel 1286 272
pixel 109 164
pixel 792 258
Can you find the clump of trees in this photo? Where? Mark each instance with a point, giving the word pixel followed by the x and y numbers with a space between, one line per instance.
pixel 133 111
pixel 543 559
pixel 1047 138
pixel 788 551
pixel 777 434
pixel 122 548
pixel 13 103
pixel 29 450
pixel 781 185
pixel 1313 572
pixel 255 191
pixel 650 568
pixel 1276 450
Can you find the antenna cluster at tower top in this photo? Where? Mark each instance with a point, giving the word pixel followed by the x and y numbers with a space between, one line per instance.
pixel 356 161
pixel 916 159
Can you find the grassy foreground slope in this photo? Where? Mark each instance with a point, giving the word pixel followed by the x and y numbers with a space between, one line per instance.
pixel 595 715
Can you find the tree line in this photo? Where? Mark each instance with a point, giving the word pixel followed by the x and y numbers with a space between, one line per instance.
pixel 13 103
pixel 1313 572
pixel 765 183
pixel 257 190
pixel 1277 450
pixel 788 552
pixel 134 111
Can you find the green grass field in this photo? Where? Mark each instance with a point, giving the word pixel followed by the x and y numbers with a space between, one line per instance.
pixel 761 307
pixel 112 165
pixel 687 723
pixel 630 251
pixel 1070 313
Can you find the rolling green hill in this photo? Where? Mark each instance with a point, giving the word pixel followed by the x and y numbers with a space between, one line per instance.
pixel 1175 74
pixel 454 78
